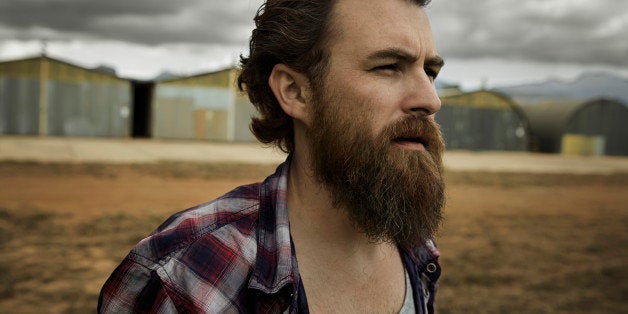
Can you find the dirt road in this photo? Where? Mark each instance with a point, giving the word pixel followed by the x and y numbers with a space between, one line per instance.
pixel 117 151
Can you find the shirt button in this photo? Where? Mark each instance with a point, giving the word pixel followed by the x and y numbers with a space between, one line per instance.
pixel 431 267
pixel 426 293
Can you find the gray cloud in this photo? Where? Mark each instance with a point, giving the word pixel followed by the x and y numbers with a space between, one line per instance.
pixel 568 31
pixel 561 31
pixel 140 21
pixel 77 14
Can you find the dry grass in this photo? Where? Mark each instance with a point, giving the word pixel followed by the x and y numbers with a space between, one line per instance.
pixel 511 243
pixel 549 249
pixel 53 264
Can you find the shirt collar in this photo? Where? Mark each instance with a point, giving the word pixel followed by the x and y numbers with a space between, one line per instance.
pixel 423 254
pixel 275 265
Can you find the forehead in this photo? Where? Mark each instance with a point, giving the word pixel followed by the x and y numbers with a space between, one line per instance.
pixel 368 25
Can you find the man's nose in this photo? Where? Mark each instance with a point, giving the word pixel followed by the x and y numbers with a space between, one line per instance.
pixel 422 98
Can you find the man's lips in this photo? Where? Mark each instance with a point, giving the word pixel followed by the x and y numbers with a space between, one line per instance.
pixel 410 142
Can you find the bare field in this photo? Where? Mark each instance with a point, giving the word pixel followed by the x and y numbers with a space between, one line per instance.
pixel 511 243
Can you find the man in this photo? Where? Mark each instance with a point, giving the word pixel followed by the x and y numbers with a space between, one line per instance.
pixel 345 224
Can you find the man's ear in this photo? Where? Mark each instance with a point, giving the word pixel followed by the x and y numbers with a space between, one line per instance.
pixel 292 90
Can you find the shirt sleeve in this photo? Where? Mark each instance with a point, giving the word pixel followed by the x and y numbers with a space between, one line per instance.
pixel 134 288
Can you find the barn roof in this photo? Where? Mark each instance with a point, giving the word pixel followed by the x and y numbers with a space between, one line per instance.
pixel 221 78
pixel 486 100
pixel 550 117
pixel 101 69
pixel 480 99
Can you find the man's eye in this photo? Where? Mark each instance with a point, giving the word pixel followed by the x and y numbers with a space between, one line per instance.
pixel 431 73
pixel 387 67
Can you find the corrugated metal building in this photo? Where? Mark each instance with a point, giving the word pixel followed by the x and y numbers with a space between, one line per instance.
pixel 46 96
pixel 205 107
pixel 591 127
pixel 482 120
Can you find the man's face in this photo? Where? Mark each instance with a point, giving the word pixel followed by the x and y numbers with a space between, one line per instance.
pixel 382 54
pixel 374 141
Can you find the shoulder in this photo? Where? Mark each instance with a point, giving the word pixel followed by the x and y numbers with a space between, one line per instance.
pixel 198 259
pixel 222 228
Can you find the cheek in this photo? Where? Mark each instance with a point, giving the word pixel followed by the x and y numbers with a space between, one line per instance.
pixel 381 101
pixel 369 103
pixel 374 114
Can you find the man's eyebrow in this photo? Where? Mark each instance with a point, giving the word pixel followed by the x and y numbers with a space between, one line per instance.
pixel 392 53
pixel 402 55
pixel 435 61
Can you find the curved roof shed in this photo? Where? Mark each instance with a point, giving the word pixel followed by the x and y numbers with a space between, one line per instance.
pixel 482 120
pixel 597 126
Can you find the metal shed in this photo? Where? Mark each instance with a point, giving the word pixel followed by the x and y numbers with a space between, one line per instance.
pixel 47 96
pixel 482 120
pixel 583 127
pixel 205 107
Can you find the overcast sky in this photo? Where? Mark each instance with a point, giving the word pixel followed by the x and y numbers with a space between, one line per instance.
pixel 496 41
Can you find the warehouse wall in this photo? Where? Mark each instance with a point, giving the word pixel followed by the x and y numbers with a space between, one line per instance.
pixel 205 107
pixel 19 105
pixel 482 121
pixel 481 128
pixel 244 110
pixel 604 119
pixel 88 109
pixel 50 97
pixel 190 112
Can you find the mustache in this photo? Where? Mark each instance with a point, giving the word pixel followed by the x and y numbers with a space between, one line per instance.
pixel 413 128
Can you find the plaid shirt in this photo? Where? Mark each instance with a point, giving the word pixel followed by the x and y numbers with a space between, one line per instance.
pixel 232 255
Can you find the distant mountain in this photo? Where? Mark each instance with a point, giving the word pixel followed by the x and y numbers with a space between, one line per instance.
pixel 587 86
pixel 444 87
pixel 443 83
pixel 106 69
pixel 166 75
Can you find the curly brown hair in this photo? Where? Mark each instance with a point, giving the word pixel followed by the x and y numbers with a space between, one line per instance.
pixel 290 32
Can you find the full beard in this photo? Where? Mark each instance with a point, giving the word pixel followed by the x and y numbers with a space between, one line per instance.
pixel 389 193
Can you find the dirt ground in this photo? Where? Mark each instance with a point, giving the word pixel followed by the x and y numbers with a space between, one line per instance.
pixel 511 243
